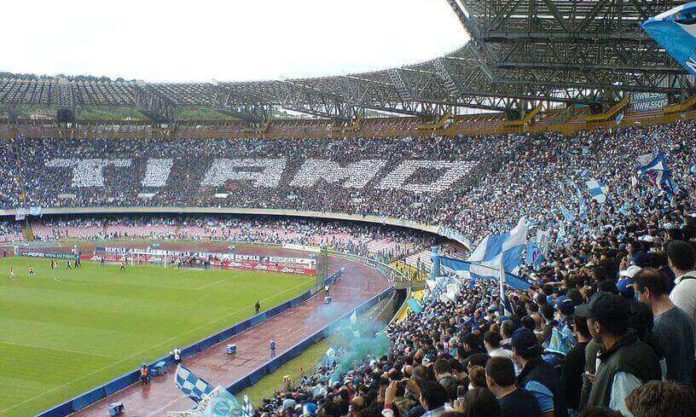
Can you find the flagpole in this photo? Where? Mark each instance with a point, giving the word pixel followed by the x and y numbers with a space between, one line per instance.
pixel 501 282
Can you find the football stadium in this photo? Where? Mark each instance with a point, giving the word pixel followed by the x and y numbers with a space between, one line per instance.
pixel 506 229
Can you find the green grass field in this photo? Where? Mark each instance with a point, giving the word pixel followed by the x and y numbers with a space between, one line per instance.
pixel 64 332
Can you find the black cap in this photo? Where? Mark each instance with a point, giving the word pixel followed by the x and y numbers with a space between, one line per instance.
pixel 525 341
pixel 582 311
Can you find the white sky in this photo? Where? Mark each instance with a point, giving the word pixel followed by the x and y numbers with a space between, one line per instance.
pixel 233 40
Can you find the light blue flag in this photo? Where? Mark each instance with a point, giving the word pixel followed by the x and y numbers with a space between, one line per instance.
pixel 567 214
pixel 675 31
pixel 485 261
pixel 598 190
pixel 415 305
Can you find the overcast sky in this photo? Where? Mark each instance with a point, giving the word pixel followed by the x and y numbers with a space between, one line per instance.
pixel 204 40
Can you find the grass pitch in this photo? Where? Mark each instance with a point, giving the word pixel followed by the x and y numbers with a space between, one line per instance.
pixel 63 332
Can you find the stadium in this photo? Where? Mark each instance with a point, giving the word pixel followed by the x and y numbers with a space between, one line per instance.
pixel 508 229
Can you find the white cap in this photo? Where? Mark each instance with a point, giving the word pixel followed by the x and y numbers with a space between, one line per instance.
pixel 630 271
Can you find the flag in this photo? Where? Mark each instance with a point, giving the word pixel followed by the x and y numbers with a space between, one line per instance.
pixel 218 403
pixel 543 238
pixel 658 173
pixel 656 163
pixel 493 250
pixel 415 305
pixel 247 408
pixel 567 214
pixel 598 190
pixel 190 384
pixel 674 31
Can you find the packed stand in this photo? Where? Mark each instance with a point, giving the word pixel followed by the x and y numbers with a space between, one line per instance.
pixel 607 327
pixel 383 243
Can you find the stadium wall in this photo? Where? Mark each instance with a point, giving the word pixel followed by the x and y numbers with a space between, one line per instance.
pixel 384 220
pixel 84 400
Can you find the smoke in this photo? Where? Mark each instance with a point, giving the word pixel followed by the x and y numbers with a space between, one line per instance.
pixel 361 340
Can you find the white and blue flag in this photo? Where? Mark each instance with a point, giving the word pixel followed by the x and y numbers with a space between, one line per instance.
pixel 219 403
pixel 658 173
pixel 675 30
pixel 192 385
pixel 494 250
pixel 598 190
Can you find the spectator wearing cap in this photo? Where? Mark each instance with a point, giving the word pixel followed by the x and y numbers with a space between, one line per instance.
pixel 661 398
pixel 625 283
pixel 673 328
pixel 537 376
pixel 681 257
pixel 625 362
pixel 574 362
pixel 514 402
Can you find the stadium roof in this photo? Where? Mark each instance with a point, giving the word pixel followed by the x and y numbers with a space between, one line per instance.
pixel 522 53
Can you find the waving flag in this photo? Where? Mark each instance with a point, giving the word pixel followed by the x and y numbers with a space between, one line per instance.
pixel 493 250
pixel 567 214
pixel 598 190
pixel 190 384
pixel 651 163
pixel 218 403
pixel 657 172
pixel 675 30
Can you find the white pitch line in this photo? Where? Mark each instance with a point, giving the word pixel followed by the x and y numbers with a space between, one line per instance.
pixel 4 342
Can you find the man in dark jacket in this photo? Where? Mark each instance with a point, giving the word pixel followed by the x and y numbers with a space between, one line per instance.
pixel 625 362
pixel 537 376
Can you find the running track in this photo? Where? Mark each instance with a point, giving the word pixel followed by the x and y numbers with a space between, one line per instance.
pixel 359 284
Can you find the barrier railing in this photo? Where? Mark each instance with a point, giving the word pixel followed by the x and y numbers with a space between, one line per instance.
pixel 270 367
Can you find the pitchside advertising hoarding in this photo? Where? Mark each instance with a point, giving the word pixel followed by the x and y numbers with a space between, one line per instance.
pixel 282 264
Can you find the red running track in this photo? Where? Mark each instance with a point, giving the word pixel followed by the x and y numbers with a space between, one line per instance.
pixel 359 284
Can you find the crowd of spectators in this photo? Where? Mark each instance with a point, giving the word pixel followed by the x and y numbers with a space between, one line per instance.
pixel 607 328
pixel 508 175
pixel 370 240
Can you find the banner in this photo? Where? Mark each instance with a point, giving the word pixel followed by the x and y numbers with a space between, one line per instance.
pixel 48 255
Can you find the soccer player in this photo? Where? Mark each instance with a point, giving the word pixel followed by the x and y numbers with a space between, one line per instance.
pixel 12 273
pixel 31 270
pixel 69 267
pixel 123 266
